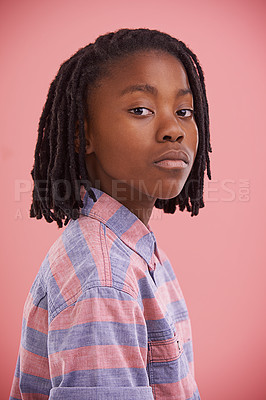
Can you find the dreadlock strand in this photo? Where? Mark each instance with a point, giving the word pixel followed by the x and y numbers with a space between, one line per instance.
pixel 207 136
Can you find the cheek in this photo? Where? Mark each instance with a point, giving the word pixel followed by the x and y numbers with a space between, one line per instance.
pixel 119 140
pixel 116 152
pixel 194 140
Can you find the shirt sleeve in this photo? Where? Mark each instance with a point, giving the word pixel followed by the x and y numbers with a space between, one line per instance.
pixel 96 348
pixel 32 376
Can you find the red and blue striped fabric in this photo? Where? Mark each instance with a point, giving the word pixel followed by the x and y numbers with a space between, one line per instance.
pixel 105 317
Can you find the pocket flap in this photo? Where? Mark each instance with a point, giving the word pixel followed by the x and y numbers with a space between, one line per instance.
pixel 164 350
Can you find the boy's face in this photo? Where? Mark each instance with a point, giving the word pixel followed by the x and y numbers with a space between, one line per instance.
pixel 136 114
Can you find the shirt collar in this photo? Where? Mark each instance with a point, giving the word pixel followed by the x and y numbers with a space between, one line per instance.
pixel 126 225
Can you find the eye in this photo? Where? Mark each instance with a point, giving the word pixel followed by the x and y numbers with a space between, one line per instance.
pixel 142 111
pixel 185 113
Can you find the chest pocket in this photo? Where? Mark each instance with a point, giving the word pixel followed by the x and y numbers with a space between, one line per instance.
pixel 167 366
pixel 164 350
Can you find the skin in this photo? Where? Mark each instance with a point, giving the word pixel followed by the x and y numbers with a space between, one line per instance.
pixel 127 132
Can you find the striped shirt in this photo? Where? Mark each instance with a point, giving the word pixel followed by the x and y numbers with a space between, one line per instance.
pixel 105 317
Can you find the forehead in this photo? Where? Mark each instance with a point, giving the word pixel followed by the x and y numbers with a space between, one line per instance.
pixel 157 68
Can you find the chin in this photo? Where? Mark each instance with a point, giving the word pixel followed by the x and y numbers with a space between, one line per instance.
pixel 167 192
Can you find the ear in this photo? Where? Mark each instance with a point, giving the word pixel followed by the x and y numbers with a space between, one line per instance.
pixel 89 147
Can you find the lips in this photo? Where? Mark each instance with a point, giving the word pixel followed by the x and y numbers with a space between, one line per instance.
pixel 174 155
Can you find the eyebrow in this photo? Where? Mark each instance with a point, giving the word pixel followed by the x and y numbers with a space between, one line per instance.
pixel 151 89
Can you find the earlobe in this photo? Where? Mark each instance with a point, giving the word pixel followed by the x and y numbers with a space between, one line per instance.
pixel 88 147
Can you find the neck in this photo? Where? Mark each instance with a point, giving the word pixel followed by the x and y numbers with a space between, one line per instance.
pixel 128 193
pixel 137 202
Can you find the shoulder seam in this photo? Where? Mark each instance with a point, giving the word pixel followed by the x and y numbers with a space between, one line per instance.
pixel 131 254
pixel 106 258
pixel 64 306
pixel 44 287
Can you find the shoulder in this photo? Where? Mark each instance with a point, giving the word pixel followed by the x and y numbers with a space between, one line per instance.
pixel 164 258
pixel 70 265
pixel 166 263
pixel 87 255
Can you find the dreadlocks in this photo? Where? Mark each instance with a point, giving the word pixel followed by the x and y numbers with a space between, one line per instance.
pixel 59 171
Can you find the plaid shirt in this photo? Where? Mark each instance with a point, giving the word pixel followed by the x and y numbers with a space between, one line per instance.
pixel 105 317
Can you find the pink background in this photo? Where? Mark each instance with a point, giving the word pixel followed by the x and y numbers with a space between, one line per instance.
pixel 217 256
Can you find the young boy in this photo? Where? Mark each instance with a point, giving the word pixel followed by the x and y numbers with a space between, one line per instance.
pixel 125 128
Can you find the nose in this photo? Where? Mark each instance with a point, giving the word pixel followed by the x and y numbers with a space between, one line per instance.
pixel 170 129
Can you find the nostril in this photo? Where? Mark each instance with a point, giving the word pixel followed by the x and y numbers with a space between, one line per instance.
pixel 172 138
pixel 166 137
